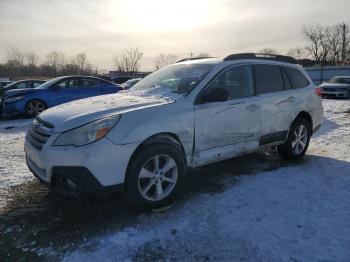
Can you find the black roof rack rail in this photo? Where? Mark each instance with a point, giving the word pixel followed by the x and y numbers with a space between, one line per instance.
pixel 281 58
pixel 193 58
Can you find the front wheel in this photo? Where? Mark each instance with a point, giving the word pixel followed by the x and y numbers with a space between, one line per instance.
pixel 155 175
pixel 35 107
pixel 298 140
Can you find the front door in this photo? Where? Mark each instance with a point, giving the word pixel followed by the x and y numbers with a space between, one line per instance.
pixel 64 91
pixel 227 128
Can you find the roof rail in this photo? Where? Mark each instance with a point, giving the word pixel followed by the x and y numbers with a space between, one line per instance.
pixel 192 58
pixel 281 58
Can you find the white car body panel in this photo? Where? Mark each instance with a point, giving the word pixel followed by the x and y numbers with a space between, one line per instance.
pixel 207 132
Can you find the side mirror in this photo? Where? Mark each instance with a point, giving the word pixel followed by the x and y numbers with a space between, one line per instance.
pixel 216 95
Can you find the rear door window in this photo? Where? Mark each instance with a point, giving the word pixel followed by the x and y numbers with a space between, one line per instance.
pixel 88 82
pixel 296 77
pixel 268 78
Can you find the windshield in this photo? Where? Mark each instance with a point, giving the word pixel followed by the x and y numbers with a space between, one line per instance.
pixel 49 83
pixel 181 78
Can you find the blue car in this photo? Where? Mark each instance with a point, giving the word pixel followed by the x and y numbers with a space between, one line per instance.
pixel 54 92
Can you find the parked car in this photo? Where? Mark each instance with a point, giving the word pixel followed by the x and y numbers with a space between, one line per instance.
pixel 4 83
pixel 128 84
pixel 336 87
pixel 54 92
pixel 142 139
pixel 22 84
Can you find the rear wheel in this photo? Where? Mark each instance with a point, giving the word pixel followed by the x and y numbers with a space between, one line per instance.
pixel 35 107
pixel 155 175
pixel 298 140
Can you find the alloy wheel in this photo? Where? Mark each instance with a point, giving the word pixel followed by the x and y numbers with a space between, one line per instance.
pixel 158 177
pixel 35 107
pixel 300 139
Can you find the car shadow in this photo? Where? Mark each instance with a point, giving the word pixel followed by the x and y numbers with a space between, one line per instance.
pixel 32 218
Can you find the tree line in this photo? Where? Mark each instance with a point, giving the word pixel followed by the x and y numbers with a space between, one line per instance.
pixel 325 45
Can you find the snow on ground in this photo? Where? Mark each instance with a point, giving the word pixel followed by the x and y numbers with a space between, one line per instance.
pixel 13 169
pixel 300 212
pixel 297 212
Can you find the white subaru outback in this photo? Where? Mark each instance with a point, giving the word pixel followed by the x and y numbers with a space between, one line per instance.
pixel 188 114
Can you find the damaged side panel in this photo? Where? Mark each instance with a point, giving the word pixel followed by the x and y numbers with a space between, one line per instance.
pixel 226 129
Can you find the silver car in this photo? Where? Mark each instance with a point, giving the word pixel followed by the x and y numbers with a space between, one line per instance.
pixel 188 114
pixel 336 87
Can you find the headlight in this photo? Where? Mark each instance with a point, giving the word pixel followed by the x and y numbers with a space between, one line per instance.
pixel 13 99
pixel 88 133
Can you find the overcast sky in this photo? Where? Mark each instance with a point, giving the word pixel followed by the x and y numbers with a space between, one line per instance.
pixel 102 28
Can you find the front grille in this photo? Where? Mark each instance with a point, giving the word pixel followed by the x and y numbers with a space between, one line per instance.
pixel 39 133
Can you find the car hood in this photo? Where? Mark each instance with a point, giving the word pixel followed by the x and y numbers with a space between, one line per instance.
pixel 16 92
pixel 83 111
pixel 334 85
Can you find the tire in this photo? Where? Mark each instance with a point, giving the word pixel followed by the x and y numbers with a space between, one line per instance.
pixel 153 185
pixel 35 107
pixel 298 140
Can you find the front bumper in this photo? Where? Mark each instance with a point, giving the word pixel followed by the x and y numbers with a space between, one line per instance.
pixel 12 109
pixel 92 167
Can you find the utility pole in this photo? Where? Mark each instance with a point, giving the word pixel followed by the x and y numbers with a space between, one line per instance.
pixel 190 54
pixel 343 26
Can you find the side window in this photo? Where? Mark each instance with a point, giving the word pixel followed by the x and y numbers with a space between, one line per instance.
pixel 68 83
pixel 88 82
pixel 296 77
pixel 344 80
pixel 21 85
pixel 268 78
pixel 237 81
pixel 36 84
pixel 287 84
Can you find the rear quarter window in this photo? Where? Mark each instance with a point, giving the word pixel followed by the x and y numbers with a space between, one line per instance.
pixel 297 79
pixel 268 78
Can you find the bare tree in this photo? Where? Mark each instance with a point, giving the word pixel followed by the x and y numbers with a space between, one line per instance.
pixel 164 60
pixel 15 57
pixel 298 53
pixel 81 61
pixel 55 59
pixel 269 51
pixel 129 60
pixel 31 59
pixel 318 45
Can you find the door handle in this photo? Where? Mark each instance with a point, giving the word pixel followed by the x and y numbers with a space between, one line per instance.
pixel 285 100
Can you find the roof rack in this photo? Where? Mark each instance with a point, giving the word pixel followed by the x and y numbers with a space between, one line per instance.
pixel 281 58
pixel 193 58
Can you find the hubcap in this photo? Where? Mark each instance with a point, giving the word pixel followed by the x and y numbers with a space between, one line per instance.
pixel 158 177
pixel 300 139
pixel 35 108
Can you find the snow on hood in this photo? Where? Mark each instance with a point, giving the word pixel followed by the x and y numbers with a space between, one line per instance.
pixel 83 111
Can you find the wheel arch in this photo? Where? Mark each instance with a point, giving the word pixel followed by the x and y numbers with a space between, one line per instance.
pixel 307 116
pixel 33 99
pixel 160 138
